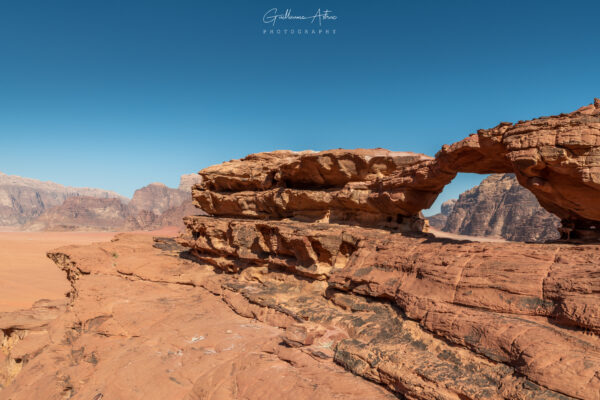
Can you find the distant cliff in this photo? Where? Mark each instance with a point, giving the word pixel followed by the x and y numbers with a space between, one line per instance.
pixel 23 199
pixel 498 207
pixel 35 205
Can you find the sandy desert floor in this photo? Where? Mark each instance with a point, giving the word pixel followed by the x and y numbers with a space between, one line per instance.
pixel 27 275
pixel 454 236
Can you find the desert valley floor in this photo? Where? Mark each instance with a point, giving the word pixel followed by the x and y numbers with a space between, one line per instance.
pixel 28 275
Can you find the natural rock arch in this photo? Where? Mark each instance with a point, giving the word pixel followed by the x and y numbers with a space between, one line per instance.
pixel 557 158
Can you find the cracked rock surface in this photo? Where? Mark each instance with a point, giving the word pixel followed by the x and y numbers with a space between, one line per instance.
pixel 144 323
pixel 497 307
pixel 391 317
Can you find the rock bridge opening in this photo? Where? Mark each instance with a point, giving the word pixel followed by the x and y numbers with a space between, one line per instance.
pixel 556 158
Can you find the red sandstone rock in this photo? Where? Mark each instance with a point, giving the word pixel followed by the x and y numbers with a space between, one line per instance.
pixel 140 325
pixel 335 185
pixel 557 158
pixel 425 318
pixel 502 301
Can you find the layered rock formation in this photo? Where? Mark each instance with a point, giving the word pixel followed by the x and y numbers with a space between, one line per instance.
pixel 557 158
pixel 426 319
pixel 498 207
pixel 446 319
pixel 152 207
pixel 318 252
pixel 23 199
pixel 475 320
pixel 158 198
pixel 343 186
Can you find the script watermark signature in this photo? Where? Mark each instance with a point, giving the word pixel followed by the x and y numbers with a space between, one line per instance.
pixel 272 16
pixel 299 24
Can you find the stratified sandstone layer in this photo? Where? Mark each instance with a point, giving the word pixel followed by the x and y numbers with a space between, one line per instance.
pixel 342 186
pixel 448 319
pixel 424 318
pixel 498 207
pixel 310 252
pixel 556 158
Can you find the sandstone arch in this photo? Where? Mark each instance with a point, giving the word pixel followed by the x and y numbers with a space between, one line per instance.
pixel 557 158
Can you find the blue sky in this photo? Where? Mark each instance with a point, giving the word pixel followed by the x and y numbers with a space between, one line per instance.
pixel 117 94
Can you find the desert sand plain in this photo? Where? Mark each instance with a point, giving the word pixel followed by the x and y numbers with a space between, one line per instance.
pixel 27 275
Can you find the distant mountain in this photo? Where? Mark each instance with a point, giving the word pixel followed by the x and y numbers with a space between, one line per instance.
pixel 23 199
pixel 188 180
pixel 35 205
pixel 84 213
pixel 158 198
pixel 438 221
pixel 498 207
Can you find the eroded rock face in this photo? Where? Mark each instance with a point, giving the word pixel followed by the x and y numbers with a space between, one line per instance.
pixel 142 322
pixel 423 318
pixel 23 199
pixel 158 198
pixel 557 158
pixel 83 213
pixel 502 305
pixel 344 186
pixel 308 249
pixel 498 207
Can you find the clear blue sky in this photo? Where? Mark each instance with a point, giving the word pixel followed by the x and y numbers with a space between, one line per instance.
pixel 117 94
